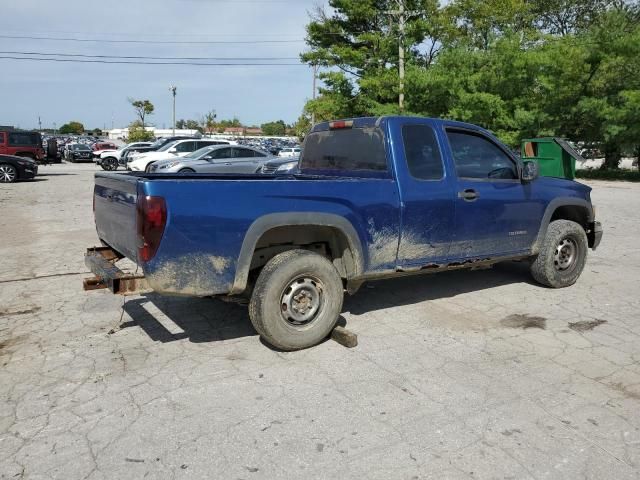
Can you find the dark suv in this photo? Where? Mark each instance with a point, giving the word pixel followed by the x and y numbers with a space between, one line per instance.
pixel 21 144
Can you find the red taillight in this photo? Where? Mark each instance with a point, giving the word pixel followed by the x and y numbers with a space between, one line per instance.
pixel 151 219
pixel 340 124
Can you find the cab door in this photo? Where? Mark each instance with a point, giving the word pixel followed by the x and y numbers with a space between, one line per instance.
pixel 427 193
pixel 496 213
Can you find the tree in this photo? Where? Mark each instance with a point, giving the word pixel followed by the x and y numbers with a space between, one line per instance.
pixel 193 125
pixel 277 128
pixel 302 126
pixel 142 109
pixel 208 121
pixel 73 127
pixel 137 133
pixel 568 68
pixel 96 132
pixel 181 124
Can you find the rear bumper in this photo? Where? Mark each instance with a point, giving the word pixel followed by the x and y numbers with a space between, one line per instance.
pixel 594 235
pixel 101 262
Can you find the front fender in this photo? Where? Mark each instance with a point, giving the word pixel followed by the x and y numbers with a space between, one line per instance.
pixel 548 213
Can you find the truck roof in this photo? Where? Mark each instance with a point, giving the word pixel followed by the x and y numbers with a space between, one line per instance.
pixel 364 122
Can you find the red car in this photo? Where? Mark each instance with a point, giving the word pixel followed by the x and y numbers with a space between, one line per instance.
pixel 104 146
pixel 21 144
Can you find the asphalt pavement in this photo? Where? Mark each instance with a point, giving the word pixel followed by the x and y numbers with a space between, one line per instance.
pixel 460 375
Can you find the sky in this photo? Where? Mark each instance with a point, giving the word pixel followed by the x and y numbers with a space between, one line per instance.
pixel 96 93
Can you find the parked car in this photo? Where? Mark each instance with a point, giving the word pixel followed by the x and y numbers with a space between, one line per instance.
pixel 77 152
pixel 104 146
pixel 13 168
pixel 179 148
pixel 215 159
pixel 280 166
pixel 375 198
pixel 153 147
pixel 289 152
pixel 21 144
pixel 111 159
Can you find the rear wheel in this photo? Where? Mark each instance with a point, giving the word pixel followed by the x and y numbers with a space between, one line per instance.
pixel 296 300
pixel 562 256
pixel 8 173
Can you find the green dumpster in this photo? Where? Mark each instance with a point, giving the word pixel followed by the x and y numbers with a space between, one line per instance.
pixel 554 156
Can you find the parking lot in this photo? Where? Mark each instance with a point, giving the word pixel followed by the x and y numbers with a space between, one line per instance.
pixel 469 375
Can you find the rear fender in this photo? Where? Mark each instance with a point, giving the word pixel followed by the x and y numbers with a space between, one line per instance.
pixel 263 224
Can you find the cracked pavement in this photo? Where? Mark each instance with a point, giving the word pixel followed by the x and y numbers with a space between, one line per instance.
pixel 460 375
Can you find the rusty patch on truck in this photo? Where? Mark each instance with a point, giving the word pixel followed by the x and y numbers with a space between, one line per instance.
pixel 524 321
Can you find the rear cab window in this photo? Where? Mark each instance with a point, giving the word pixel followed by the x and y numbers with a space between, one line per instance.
pixel 359 151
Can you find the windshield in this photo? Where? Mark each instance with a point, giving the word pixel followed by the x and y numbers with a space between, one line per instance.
pixel 167 147
pixel 198 153
pixel 157 143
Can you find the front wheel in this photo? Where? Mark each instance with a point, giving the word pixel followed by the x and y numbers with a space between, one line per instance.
pixel 148 168
pixel 296 300
pixel 187 170
pixel 562 256
pixel 8 173
pixel 109 164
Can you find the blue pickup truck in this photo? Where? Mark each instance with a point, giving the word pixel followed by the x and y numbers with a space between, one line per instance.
pixel 373 198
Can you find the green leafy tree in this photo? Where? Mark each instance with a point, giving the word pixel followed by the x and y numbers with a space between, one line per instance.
pixel 277 128
pixel 137 133
pixel 181 124
pixel 75 128
pixel 143 108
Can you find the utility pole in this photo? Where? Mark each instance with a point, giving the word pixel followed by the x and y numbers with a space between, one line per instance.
pixel 402 15
pixel 39 124
pixel 173 89
pixel 401 55
pixel 313 96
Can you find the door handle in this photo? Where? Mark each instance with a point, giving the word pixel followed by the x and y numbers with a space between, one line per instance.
pixel 228 163
pixel 469 195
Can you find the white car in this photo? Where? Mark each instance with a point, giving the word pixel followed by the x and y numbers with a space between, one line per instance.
pixel 179 148
pixel 111 158
pixel 290 152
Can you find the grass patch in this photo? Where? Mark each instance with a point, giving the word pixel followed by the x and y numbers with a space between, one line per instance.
pixel 597 174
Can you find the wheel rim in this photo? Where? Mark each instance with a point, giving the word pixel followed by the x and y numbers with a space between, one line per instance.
pixel 7 173
pixel 302 301
pixel 565 255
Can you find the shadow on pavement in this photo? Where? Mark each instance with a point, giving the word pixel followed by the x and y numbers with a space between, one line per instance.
pixel 201 320
pixel 414 289
pixel 167 319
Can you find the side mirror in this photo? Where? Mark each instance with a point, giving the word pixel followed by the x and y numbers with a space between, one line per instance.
pixel 530 171
pixel 208 158
pixel 172 150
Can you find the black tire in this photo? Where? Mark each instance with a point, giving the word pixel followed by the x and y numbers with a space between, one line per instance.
pixel 8 173
pixel 562 255
pixel 187 170
pixel 148 167
pixel 110 164
pixel 296 278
